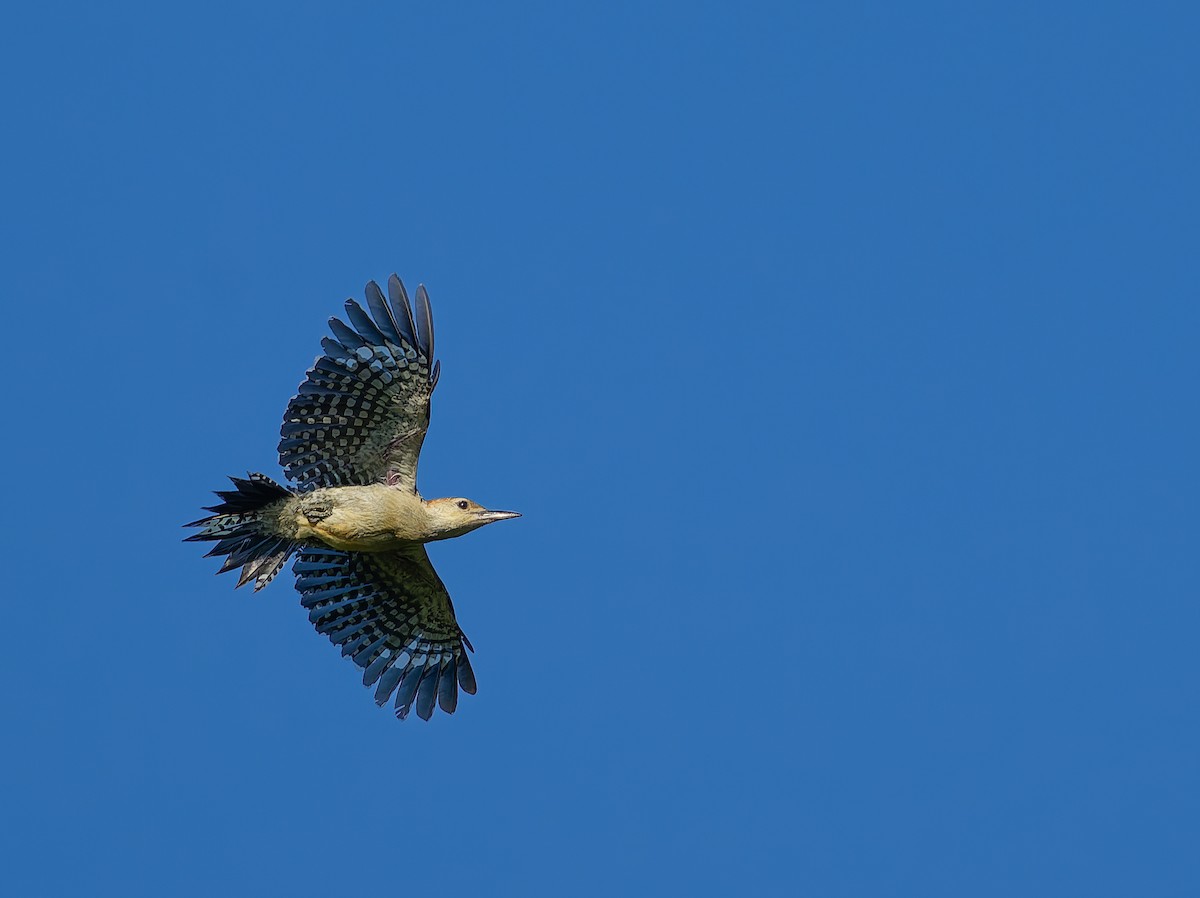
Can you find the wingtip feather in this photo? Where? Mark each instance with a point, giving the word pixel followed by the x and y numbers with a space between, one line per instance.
pixel 424 320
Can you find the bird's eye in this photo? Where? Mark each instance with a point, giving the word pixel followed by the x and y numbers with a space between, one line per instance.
pixel 462 503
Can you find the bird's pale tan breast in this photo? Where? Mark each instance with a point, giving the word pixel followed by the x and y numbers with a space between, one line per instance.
pixel 372 518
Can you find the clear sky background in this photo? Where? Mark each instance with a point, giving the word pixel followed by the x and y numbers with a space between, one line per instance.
pixel 842 358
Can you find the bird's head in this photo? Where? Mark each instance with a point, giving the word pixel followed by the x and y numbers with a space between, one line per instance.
pixel 456 516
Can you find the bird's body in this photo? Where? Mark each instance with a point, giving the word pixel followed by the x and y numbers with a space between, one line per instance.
pixel 350 440
pixel 375 518
pixel 353 518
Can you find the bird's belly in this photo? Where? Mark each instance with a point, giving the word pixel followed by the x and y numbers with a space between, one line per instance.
pixel 356 541
pixel 354 519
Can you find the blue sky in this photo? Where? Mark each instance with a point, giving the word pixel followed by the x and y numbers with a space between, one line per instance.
pixel 841 357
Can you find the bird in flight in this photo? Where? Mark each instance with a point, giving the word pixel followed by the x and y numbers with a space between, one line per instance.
pixel 354 519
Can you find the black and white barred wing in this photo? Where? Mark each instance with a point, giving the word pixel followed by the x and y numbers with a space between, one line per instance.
pixel 361 414
pixel 390 612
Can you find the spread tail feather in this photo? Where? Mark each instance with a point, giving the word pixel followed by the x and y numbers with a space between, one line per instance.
pixel 236 526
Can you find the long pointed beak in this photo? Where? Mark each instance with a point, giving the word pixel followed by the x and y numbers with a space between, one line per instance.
pixel 490 516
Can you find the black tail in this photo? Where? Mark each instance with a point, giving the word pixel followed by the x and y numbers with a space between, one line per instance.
pixel 236 526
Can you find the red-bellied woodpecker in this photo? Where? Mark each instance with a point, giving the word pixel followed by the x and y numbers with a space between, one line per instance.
pixel 350 441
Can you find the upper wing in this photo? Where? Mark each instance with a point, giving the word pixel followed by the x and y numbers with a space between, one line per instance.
pixel 390 612
pixel 361 414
